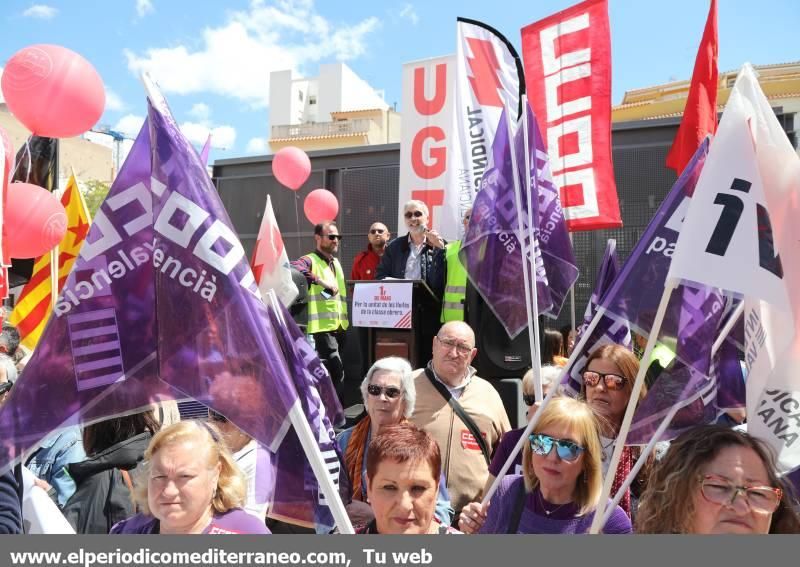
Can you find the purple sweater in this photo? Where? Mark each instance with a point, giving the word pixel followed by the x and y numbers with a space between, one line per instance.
pixel 235 521
pixel 563 520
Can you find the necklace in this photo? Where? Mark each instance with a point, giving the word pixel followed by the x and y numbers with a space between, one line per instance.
pixel 603 456
pixel 544 507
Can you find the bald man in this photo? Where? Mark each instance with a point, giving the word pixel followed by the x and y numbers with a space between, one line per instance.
pixel 365 264
pixel 450 375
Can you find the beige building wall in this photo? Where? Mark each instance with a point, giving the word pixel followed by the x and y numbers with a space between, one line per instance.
pixel 88 160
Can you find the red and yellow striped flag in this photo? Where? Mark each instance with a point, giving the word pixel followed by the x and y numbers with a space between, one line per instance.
pixel 33 308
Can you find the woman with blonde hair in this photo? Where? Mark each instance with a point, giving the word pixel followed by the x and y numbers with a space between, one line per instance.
pixel 191 486
pixel 716 480
pixel 559 489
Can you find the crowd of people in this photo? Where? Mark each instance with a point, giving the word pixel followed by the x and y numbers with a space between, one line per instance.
pixel 431 442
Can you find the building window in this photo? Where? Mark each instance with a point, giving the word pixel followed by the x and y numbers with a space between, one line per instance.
pixel 312 99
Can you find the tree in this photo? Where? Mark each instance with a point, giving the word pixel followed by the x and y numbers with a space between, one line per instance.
pixel 94 193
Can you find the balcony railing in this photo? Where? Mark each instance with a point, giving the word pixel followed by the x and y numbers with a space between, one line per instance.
pixel 338 128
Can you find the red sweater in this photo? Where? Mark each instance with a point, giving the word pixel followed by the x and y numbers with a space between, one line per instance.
pixel 365 265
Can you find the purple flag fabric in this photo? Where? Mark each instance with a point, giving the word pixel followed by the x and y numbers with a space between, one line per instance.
pixel 558 258
pixel 491 251
pixel 204 152
pixel 98 355
pixel 609 330
pixel 216 342
pixel 297 497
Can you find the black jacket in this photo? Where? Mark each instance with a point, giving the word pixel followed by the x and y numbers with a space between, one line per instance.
pixel 10 512
pixel 101 496
pixel 393 264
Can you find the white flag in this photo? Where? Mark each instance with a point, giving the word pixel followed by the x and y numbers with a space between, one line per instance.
pixel 270 262
pixel 488 79
pixel 741 233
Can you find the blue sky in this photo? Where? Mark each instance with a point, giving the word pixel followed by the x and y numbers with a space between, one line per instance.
pixel 213 58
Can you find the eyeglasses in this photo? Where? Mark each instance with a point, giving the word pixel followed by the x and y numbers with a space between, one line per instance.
pixel 718 490
pixel 565 449
pixel 612 381
pixel 415 214
pixel 376 231
pixel 333 237
pixel 391 391
pixel 529 399
pixel 461 349
pixel 218 417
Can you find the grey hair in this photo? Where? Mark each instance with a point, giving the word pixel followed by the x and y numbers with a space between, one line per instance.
pixel 419 204
pixel 10 367
pixel 399 366
pixel 550 374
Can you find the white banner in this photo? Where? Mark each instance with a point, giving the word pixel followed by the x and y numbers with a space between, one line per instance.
pixel 487 80
pixel 382 304
pixel 424 147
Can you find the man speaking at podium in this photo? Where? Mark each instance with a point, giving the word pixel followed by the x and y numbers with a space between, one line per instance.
pixel 418 256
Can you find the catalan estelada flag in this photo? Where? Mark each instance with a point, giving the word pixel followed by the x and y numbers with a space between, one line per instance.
pixel 34 306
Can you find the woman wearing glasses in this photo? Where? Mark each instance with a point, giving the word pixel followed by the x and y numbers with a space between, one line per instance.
pixel 561 478
pixel 607 385
pixel 389 395
pixel 716 480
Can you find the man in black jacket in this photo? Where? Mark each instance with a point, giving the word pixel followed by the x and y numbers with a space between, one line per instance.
pixel 10 509
pixel 419 255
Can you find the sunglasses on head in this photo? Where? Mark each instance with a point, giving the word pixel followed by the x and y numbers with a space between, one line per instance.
pixel 333 237
pixel 391 391
pixel 218 417
pixel 376 231
pixel 565 449
pixel 415 214
pixel 611 381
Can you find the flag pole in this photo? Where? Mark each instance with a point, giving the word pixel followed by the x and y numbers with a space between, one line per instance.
pixel 311 449
pixel 571 300
pixel 723 334
pixel 598 316
pixel 619 442
pixel 532 310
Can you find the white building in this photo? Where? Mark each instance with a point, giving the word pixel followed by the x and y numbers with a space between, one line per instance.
pixel 335 109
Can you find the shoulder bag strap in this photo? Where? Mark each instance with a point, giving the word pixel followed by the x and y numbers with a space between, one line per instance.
pixel 462 415
pixel 516 512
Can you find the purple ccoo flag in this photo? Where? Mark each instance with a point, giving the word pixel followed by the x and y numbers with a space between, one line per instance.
pixel 609 330
pixel 98 355
pixel 558 258
pixel 297 497
pixel 491 250
pixel 216 342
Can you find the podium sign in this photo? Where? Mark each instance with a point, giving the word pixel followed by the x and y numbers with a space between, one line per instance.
pixel 383 304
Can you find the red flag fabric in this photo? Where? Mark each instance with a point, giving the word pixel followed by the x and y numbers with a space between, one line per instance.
pixel 567 59
pixel 700 115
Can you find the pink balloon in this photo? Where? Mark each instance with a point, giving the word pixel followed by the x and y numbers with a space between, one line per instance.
pixel 320 205
pixel 291 167
pixel 53 91
pixel 35 220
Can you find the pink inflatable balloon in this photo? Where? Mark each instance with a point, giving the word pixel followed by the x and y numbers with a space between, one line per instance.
pixel 35 220
pixel 291 167
pixel 320 205
pixel 53 91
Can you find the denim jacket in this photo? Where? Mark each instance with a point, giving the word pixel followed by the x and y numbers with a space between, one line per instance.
pixel 50 461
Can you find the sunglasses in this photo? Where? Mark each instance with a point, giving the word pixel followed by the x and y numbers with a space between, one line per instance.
pixel 718 490
pixel 333 237
pixel 529 399
pixel 391 391
pixel 5 387
pixel 565 449
pixel 467 217
pixel 218 417
pixel 612 381
pixel 376 231
pixel 415 214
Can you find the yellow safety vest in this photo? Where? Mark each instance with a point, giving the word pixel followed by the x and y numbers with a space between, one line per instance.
pixel 326 314
pixel 455 290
